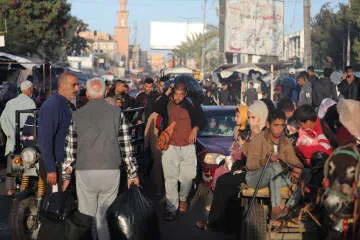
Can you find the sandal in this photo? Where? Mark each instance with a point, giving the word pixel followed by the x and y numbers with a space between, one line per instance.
pixel 183 206
pixel 201 225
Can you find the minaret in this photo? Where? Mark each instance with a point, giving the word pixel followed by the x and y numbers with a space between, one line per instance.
pixel 122 30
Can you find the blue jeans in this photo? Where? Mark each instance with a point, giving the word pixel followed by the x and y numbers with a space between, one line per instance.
pixel 275 185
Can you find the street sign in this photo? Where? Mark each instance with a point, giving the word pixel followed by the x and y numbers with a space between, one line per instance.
pixel 2 41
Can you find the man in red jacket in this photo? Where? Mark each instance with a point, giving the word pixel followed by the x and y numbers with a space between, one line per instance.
pixel 311 135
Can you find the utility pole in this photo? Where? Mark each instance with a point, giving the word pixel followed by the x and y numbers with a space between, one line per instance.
pixel 348 50
pixel 307 32
pixel 203 57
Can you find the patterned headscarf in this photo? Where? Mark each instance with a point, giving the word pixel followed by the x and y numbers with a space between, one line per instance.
pixel 324 106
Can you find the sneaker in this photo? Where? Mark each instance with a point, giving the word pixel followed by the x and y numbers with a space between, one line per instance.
pixel 183 206
pixel 169 216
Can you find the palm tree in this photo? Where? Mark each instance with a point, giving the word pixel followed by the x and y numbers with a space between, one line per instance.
pixel 192 47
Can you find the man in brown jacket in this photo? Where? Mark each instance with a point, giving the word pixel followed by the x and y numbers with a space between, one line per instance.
pixel 272 141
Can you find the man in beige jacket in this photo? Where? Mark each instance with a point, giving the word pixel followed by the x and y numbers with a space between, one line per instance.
pixel 272 141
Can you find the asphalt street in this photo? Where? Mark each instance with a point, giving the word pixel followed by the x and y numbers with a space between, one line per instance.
pixel 183 228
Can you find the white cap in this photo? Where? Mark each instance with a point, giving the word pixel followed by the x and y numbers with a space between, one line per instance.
pixel 292 71
pixel 25 85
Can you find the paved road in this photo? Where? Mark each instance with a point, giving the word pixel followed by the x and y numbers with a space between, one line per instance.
pixel 181 229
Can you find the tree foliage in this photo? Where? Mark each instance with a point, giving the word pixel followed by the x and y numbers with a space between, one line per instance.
pixel 43 29
pixel 329 35
pixel 192 48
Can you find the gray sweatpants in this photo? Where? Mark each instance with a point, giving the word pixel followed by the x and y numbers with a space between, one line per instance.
pixel 96 191
pixel 179 165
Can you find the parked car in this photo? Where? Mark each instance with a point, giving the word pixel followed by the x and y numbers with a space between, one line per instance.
pixel 215 140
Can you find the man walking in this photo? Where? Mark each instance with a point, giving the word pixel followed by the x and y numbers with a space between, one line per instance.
pixel 288 86
pixel 224 96
pixel 350 85
pixel 128 102
pixel 323 88
pixel 311 73
pixel 147 98
pixel 179 160
pixel 55 116
pixel 305 95
pixel 251 95
pixel 7 120
pixel 97 148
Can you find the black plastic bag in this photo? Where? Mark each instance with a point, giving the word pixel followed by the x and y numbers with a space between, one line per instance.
pixel 57 206
pixel 193 88
pixel 132 216
pixel 78 226
pixel 51 230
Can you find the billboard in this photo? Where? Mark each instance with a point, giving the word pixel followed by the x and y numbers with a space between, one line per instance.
pixel 169 35
pixel 254 27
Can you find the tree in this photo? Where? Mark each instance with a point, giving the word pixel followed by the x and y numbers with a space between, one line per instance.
pixel 192 48
pixel 75 45
pixel 38 28
pixel 329 36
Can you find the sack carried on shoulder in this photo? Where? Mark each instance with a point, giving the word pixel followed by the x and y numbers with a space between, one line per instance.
pixel 165 137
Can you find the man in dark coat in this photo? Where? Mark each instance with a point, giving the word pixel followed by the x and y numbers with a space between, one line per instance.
pixel 323 88
pixel 350 85
pixel 147 98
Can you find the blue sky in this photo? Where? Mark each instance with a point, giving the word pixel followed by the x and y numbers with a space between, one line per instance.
pixel 101 14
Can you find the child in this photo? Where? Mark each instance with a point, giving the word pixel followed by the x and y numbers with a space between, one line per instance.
pixel 311 135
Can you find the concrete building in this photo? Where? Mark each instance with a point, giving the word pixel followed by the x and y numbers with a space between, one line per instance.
pixel 138 58
pixel 294 46
pixel 156 61
pixel 122 31
pixel 80 63
pixel 95 36
pixel 109 47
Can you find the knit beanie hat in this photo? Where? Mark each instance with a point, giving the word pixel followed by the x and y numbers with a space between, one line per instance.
pixel 259 109
pixel 243 110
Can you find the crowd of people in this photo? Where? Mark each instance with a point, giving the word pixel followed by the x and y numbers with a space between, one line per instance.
pixel 90 133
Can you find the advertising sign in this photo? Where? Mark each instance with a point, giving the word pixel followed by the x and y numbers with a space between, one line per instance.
pixel 169 35
pixel 254 27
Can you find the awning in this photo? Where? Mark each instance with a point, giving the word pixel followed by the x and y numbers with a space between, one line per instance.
pixel 242 68
pixel 180 70
pixel 25 62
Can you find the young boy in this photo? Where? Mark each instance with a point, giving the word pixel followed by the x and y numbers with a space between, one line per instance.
pixel 311 135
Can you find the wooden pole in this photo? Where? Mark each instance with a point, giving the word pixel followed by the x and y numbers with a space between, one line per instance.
pixel 307 33
pixel 272 82
pixel 44 75
pixel 50 76
pixel 348 50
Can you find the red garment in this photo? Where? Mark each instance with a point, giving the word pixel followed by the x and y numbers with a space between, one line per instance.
pixel 344 136
pixel 313 140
